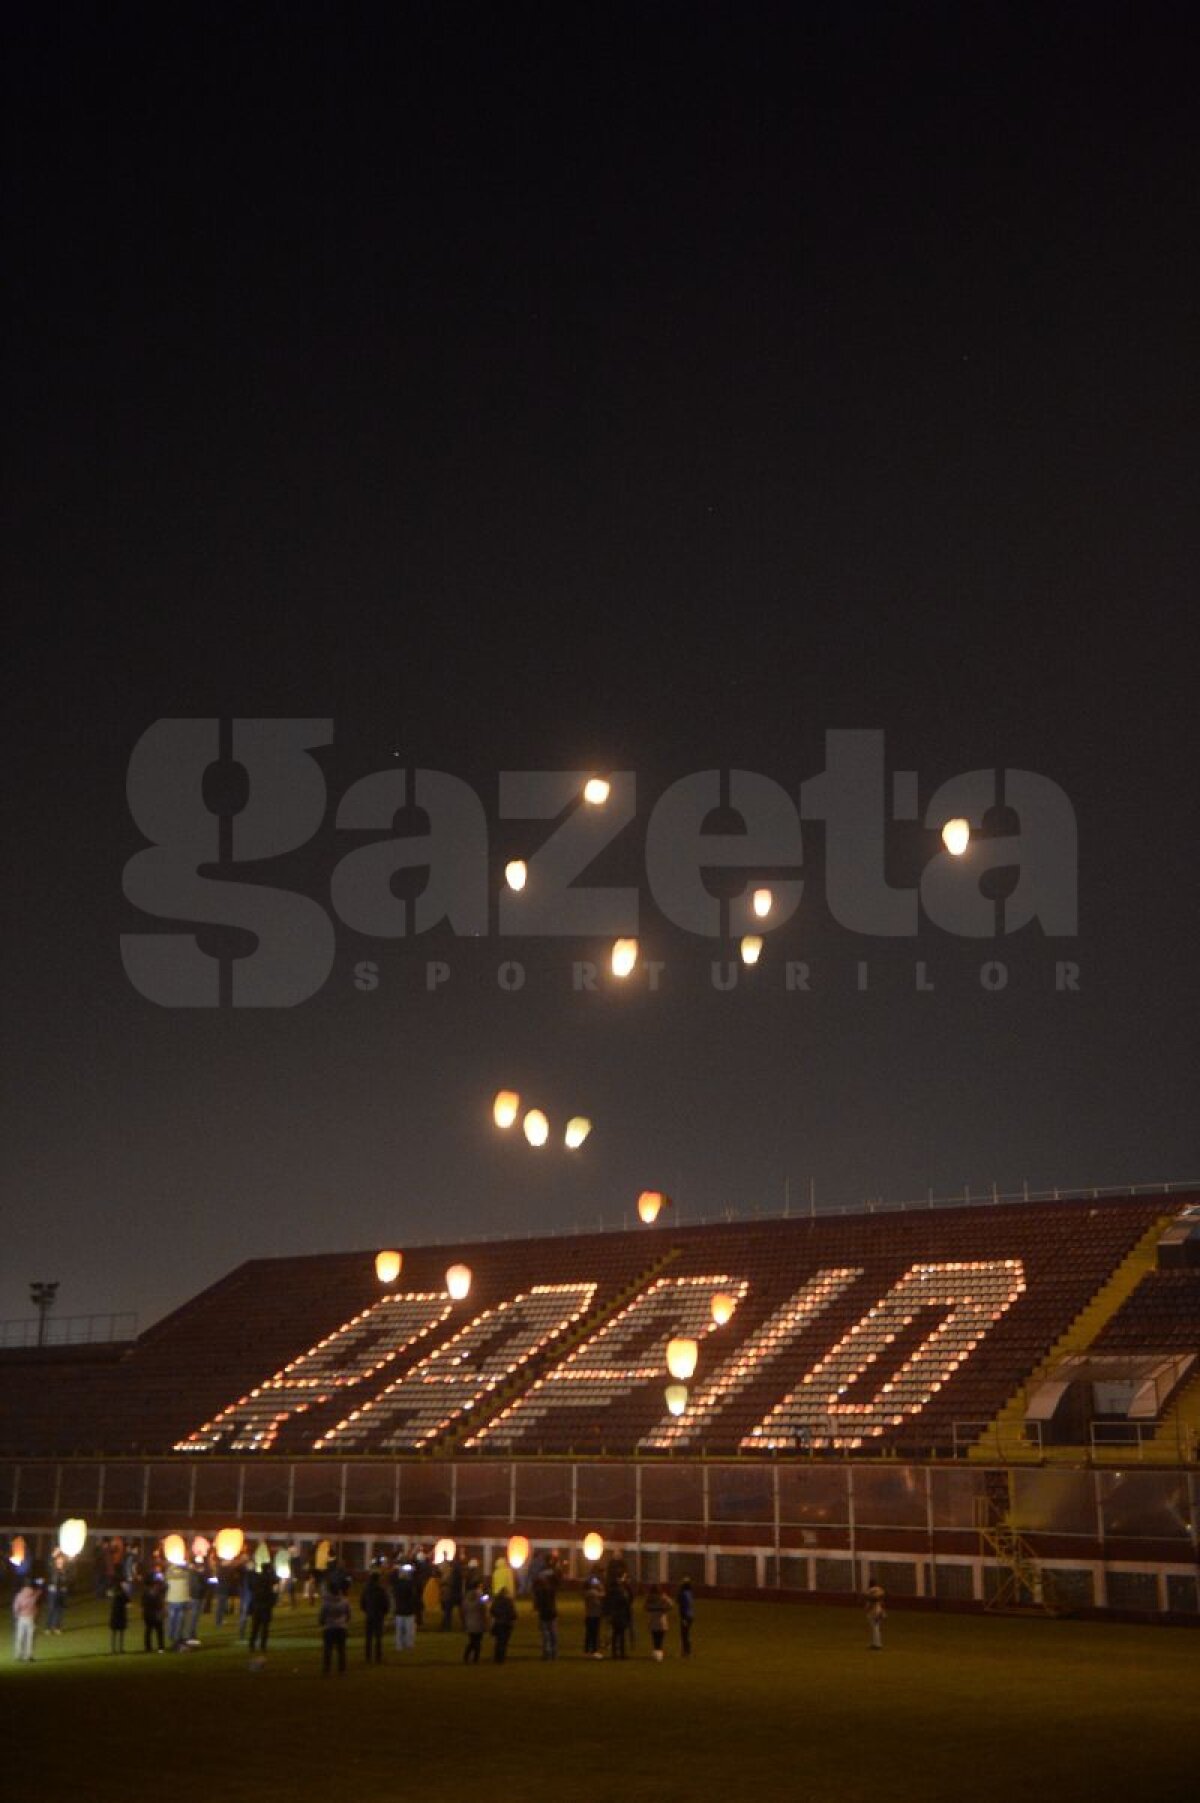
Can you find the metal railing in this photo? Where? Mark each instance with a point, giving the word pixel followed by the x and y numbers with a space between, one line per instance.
pixel 67 1330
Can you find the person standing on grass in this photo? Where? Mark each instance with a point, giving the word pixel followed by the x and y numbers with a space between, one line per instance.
pixel 687 1615
pixel 153 1604
pixel 177 1604
pixel 118 1618
pixel 25 1607
pixel 333 1619
pixel 263 1592
pixel 404 1603
pixel 876 1605
pixel 474 1614
pixel 374 1604
pixel 593 1611
pixel 658 1608
pixel 56 1594
pixel 504 1619
pixel 545 1601
pixel 620 1616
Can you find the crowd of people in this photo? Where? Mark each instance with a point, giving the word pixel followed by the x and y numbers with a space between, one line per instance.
pixel 174 1597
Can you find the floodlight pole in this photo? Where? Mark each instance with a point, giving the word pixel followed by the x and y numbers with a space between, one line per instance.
pixel 42 1295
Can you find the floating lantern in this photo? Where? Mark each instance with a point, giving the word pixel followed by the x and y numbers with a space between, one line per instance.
pixel 681 1357
pixel 751 948
pixel 722 1308
pixel 593 1547
pixel 504 1108
pixel 262 1555
pixel 388 1265
pixel 578 1128
pixel 283 1565
pixel 518 1551
pixel 763 901
pixel 624 957
pixel 230 1542
pixel 16 1550
pixel 516 873
pixel 174 1550
pixel 676 1395
pixel 200 1546
pixel 444 1551
pixel 597 790
pixel 650 1205
pixel 458 1282
pixel 72 1537
pixel 956 836
pixel 536 1127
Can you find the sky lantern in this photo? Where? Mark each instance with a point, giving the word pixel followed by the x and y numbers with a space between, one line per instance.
pixel 518 1551
pixel 16 1550
pixel 283 1565
pixel 751 948
pixel 230 1542
pixel 262 1555
pixel 536 1127
pixel 516 873
pixel 762 902
pixel 676 1395
pixel 387 1266
pixel 504 1108
pixel 444 1551
pixel 722 1308
pixel 650 1205
pixel 578 1128
pixel 72 1537
pixel 682 1354
pixel 956 836
pixel 200 1546
pixel 597 790
pixel 174 1550
pixel 624 957
pixel 458 1282
pixel 593 1547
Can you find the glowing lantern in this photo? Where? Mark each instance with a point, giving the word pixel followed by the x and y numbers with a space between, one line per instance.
pixel 515 873
pixel 763 902
pixel 230 1542
pixel 536 1127
pixel 200 1546
pixel 72 1537
pixel 676 1395
pixel 388 1266
pixel 262 1555
pixel 578 1128
pixel 518 1551
pixel 593 1547
pixel 751 948
pixel 624 957
pixel 504 1108
pixel 650 1205
pixel 956 836
pixel 722 1308
pixel 174 1550
pixel 597 790
pixel 16 1550
pixel 283 1564
pixel 458 1282
pixel 681 1358
pixel 444 1551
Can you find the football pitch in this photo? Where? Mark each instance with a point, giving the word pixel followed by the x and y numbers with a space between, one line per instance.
pixel 779 1701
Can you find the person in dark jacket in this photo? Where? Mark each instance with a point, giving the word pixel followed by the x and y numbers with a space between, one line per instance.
pixel 593 1612
pixel 263 1592
pixel 545 1601
pixel 333 1619
pixel 620 1615
pixel 374 1604
pixel 56 1594
pixel 404 1602
pixel 474 1614
pixel 154 1603
pixel 118 1618
pixel 687 1615
pixel 504 1620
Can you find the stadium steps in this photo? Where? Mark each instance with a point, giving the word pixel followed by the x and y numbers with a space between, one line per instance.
pixel 450 1442
pixel 1004 1438
pixel 1022 1587
pixel 1177 1436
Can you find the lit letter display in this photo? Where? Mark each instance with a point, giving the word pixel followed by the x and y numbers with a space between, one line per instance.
pixel 976 1294
pixel 628 1351
pixel 422 1404
pixel 354 1352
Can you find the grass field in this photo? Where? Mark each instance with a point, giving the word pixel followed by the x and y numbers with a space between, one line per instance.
pixel 779 1702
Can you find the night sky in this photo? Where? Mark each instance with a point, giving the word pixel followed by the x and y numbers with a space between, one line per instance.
pixel 650 388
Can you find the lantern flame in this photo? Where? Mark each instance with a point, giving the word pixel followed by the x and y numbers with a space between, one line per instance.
pixel 956 836
pixel 516 874
pixel 751 948
pixel 676 1395
pixel 722 1308
pixel 597 790
pixel 72 1537
pixel 624 957
pixel 16 1550
pixel 763 902
pixel 650 1205
pixel 230 1542
pixel 505 1107
pixel 518 1551
pixel 387 1266
pixel 536 1127
pixel 444 1551
pixel 458 1282
pixel 682 1354
pixel 593 1547
pixel 578 1128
